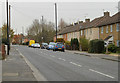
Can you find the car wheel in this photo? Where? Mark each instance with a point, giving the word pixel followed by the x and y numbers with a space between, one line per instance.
pixel 63 50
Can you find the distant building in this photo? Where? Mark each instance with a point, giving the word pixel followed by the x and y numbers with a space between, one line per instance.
pixel 17 39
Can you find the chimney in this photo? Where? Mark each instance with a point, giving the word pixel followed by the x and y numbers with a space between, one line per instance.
pixel 87 20
pixel 106 13
pixel 76 23
pixel 80 22
pixel 73 24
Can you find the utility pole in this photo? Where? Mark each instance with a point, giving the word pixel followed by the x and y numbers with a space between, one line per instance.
pixel 23 34
pixel 7 29
pixel 56 19
pixel 9 23
pixel 42 29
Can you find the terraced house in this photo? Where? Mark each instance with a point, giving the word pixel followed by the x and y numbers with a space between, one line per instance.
pixel 104 27
pixel 109 30
pixel 92 29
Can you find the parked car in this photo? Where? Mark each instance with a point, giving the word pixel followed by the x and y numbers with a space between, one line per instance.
pixel 36 45
pixel 44 45
pixel 32 45
pixel 59 47
pixel 51 46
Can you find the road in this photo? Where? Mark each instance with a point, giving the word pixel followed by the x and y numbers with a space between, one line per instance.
pixel 66 66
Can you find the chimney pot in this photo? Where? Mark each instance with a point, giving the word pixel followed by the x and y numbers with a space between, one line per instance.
pixel 80 22
pixel 87 20
pixel 106 13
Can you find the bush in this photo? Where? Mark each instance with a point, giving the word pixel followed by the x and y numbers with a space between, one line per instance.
pixel 74 44
pixel 60 40
pixel 67 45
pixel 112 48
pixel 118 50
pixel 84 44
pixel 4 41
pixel 96 46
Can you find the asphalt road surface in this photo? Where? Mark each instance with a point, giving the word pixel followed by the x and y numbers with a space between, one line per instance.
pixel 66 66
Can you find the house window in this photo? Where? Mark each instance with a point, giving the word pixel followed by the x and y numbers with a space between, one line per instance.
pixel 101 29
pixel 110 28
pixel 117 27
pixel 81 32
pixel 84 32
pixel 107 29
pixel 118 43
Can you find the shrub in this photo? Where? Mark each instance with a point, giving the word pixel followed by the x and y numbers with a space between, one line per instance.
pixel 118 50
pixel 67 45
pixel 60 40
pixel 96 46
pixel 112 48
pixel 75 44
pixel 84 44
pixel 4 41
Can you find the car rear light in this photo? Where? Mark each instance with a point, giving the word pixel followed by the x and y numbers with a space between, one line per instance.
pixel 63 47
pixel 56 46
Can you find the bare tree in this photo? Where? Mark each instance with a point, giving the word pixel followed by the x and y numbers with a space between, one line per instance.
pixel 37 30
pixel 62 24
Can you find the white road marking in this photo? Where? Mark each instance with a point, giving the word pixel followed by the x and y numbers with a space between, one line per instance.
pixel 61 59
pixel 101 73
pixel 76 64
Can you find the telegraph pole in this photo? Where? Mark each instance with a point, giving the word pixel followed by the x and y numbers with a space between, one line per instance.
pixel 23 34
pixel 42 29
pixel 56 19
pixel 9 22
pixel 7 29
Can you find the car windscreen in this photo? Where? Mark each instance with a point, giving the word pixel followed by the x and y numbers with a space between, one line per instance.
pixel 52 44
pixel 59 44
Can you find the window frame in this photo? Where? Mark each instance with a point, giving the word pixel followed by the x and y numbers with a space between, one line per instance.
pixel 117 27
pixel 111 28
pixel 106 29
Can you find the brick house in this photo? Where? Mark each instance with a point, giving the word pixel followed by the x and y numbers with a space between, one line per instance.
pixel 109 30
pixel 104 27
pixel 92 29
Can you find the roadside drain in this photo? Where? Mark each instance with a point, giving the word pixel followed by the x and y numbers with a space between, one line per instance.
pixel 10 74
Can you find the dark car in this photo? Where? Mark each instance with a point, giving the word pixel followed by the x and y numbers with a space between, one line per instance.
pixel 59 47
pixel 44 45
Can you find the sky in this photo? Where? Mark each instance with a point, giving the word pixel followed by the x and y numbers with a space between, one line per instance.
pixel 23 12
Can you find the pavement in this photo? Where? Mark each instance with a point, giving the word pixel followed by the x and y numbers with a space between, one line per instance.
pixel 67 66
pixel 0 55
pixel 14 68
pixel 102 56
